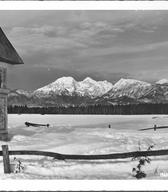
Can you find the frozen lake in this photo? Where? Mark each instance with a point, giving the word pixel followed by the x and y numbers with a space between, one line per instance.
pixel 86 134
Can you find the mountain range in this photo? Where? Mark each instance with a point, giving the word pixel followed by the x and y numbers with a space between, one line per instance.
pixel 66 91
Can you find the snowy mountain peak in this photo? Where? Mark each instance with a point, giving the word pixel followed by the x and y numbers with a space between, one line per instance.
pixel 90 87
pixel 129 82
pixel 23 92
pixel 63 85
pixel 162 81
pixel 65 79
pixel 128 88
pixel 68 91
pixel 89 80
pixel 69 86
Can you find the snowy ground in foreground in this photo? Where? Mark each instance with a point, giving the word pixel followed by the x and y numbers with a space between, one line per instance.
pixel 86 134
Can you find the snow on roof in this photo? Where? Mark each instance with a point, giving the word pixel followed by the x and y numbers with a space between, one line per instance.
pixel 8 53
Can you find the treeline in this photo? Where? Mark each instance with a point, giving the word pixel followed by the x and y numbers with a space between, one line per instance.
pixel 130 109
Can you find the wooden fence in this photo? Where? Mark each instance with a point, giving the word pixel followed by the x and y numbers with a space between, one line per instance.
pixel 5 153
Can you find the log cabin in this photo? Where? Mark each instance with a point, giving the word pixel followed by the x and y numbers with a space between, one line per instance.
pixel 8 55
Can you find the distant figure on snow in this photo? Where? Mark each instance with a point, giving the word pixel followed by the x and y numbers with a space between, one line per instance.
pixel 109 126
pixel 155 127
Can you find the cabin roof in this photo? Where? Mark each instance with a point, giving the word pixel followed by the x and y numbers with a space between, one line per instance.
pixel 8 54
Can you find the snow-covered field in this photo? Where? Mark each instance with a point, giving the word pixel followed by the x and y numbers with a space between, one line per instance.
pixel 86 134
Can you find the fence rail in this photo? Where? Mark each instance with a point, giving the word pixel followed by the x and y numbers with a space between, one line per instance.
pixel 6 153
pixel 60 156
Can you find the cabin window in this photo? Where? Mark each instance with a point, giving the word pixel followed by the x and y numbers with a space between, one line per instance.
pixel 2 78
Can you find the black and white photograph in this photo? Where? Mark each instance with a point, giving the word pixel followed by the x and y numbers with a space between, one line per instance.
pixel 84 94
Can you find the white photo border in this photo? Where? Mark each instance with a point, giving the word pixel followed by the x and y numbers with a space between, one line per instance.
pixel 83 185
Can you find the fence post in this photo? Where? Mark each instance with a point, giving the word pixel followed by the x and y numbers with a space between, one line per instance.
pixel 6 160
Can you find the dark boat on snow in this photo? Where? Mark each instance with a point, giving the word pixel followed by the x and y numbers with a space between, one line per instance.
pixel 28 124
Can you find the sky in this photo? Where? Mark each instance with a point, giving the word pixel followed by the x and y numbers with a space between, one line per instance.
pixel 104 45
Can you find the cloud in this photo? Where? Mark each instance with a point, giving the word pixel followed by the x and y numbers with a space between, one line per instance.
pixel 83 35
pixel 118 50
pixel 96 43
pixel 50 31
pixel 44 39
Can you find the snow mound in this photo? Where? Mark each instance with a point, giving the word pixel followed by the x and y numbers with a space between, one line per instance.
pixel 18 138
